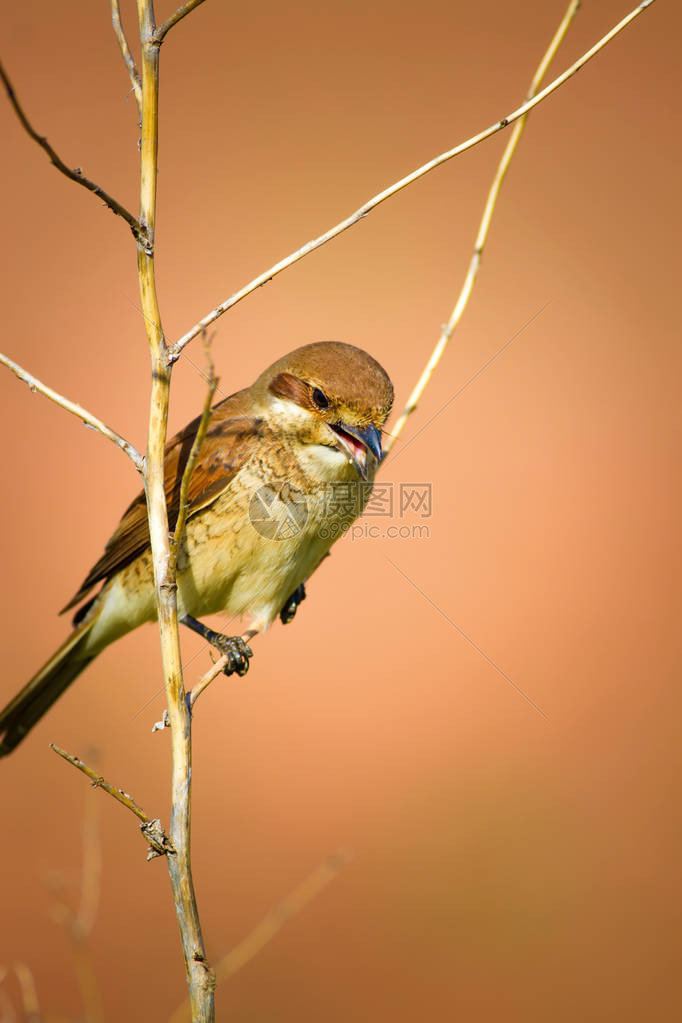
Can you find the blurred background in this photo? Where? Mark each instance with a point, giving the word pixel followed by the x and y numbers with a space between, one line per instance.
pixel 485 713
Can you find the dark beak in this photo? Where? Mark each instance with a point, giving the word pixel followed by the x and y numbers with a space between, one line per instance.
pixel 356 443
pixel 370 437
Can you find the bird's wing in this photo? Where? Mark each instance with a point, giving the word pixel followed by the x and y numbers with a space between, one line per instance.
pixel 232 436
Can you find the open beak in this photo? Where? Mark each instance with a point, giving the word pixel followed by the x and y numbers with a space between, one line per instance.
pixel 356 444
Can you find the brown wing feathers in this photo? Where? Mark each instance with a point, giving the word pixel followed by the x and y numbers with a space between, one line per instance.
pixel 230 441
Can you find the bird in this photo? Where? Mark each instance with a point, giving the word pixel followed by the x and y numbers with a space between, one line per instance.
pixel 285 467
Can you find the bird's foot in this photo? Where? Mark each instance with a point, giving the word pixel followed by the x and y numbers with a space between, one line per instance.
pixel 288 612
pixel 234 648
pixel 236 651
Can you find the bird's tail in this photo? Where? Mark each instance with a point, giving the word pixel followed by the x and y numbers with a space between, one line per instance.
pixel 38 695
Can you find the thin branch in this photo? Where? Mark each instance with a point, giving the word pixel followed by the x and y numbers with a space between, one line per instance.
pixel 78 925
pixel 128 58
pixel 180 523
pixel 216 668
pixel 482 235
pixel 75 409
pixel 75 174
pixel 29 993
pixel 86 978
pixel 91 873
pixel 200 977
pixel 175 349
pixel 181 13
pixel 101 783
pixel 150 827
pixel 273 922
pixel 204 682
pixel 7 1013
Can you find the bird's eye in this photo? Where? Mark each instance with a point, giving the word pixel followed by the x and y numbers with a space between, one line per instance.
pixel 320 399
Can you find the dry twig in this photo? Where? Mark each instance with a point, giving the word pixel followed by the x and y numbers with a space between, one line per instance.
pixel 29 993
pixel 204 682
pixel 78 925
pixel 273 922
pixel 333 232
pixel 159 842
pixel 74 174
pixel 481 237
pixel 181 13
pixel 179 529
pixel 128 58
pixel 77 410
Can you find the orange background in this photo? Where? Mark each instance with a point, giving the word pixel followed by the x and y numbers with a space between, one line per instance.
pixel 507 864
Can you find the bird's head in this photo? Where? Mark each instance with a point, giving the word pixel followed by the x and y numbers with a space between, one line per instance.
pixel 334 398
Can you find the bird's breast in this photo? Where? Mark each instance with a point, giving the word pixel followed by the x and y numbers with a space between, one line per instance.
pixel 266 533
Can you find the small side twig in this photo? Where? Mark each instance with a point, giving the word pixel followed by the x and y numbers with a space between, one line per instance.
pixel 481 237
pixel 74 174
pixel 78 924
pixel 216 668
pixel 7 1013
pixel 159 842
pixel 204 682
pixel 128 58
pixel 91 887
pixel 273 922
pixel 182 12
pixel 179 529
pixel 29 993
pixel 75 409
pixel 175 350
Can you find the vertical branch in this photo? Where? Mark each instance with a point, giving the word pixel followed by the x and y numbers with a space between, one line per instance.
pixel 199 975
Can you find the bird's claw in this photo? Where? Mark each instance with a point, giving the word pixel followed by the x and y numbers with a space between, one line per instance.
pixel 237 653
pixel 288 612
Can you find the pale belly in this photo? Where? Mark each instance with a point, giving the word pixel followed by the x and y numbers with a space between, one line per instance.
pixel 248 552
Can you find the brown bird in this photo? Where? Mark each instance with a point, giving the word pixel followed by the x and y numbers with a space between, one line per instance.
pixel 286 466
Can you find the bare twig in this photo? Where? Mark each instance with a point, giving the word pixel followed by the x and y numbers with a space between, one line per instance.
pixel 78 925
pixel 86 979
pixel 204 682
pixel 200 978
pixel 263 278
pixel 76 410
pixel 482 235
pixel 7 1013
pixel 216 668
pixel 29 993
pixel 181 13
pixel 91 874
pixel 128 58
pixel 74 174
pixel 273 922
pixel 181 520
pixel 150 828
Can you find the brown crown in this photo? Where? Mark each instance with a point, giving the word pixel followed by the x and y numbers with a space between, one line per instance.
pixel 350 378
